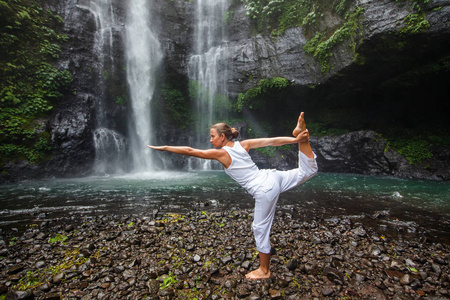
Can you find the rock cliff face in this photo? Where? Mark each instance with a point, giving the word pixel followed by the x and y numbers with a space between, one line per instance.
pixel 253 57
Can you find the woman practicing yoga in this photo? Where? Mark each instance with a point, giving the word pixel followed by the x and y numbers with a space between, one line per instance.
pixel 264 185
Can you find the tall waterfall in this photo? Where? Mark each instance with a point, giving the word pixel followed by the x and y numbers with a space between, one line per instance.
pixel 208 71
pixel 143 56
pixel 110 146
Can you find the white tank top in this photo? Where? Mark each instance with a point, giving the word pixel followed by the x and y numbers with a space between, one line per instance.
pixel 242 169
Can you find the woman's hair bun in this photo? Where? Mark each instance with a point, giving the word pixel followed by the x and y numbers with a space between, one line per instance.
pixel 223 128
pixel 234 132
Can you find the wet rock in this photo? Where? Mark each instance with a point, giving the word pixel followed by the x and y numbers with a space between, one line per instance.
pixel 126 269
pixel 375 250
pixel 230 283
pixel 45 287
pixel 246 264
pixel 196 258
pixel 371 292
pixel 406 279
pixel 69 228
pixel 436 269
pixel 327 291
pixel 366 263
pixel 292 264
pixel 51 296
pixel 253 296
pixel 333 275
pixel 166 292
pixel 329 251
pixel 58 277
pixel 394 274
pixel 410 263
pixel 242 292
pixel 19 295
pixel 153 286
pixel 15 270
pixel 361 232
pixel 225 260
pixel 40 264
pixel 312 268
pixel 275 294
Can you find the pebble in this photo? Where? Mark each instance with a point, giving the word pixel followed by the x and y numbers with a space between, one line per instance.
pixel 193 256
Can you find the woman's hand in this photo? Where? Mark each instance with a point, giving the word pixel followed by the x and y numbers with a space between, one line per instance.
pixel 159 148
pixel 303 136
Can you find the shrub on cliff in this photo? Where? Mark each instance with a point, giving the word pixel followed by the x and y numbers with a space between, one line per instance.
pixel 30 84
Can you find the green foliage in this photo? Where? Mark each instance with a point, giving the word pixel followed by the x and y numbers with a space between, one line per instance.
pixel 169 280
pixel 197 91
pixel 120 100
pixel 228 17
pixel 254 97
pixel 341 7
pixel 417 5
pixel 415 150
pixel 12 242
pixel 30 85
pixel 416 23
pixel 33 280
pixel 177 105
pixel 272 151
pixel 413 144
pixel 320 129
pixel 59 238
pixel 276 16
pixel 321 46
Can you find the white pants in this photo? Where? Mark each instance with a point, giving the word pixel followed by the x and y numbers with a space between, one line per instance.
pixel 266 197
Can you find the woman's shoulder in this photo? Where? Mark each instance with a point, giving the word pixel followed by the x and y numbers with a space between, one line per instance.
pixel 242 145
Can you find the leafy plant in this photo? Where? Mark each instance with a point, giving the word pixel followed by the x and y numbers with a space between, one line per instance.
pixel 252 97
pixel 416 4
pixel 12 242
pixel 413 145
pixel 271 151
pixel 30 84
pixel 416 23
pixel 321 46
pixel 177 105
pixel 59 238
pixel 34 279
pixel 168 281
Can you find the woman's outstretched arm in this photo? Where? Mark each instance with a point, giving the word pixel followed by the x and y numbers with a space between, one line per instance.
pixel 274 141
pixel 217 154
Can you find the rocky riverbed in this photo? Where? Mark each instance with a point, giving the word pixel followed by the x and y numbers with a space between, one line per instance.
pixel 205 255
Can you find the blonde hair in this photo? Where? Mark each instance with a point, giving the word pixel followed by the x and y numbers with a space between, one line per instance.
pixel 230 133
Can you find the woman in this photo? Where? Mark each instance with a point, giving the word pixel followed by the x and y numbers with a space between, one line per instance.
pixel 264 185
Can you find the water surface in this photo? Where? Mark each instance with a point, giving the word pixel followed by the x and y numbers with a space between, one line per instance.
pixel 401 203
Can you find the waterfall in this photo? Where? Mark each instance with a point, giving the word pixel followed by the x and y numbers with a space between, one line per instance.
pixel 110 151
pixel 208 72
pixel 110 146
pixel 143 56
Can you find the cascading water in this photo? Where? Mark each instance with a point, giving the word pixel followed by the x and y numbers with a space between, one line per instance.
pixel 109 151
pixel 143 56
pixel 208 72
pixel 110 146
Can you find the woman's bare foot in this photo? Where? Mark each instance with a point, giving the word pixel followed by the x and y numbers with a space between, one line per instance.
pixel 301 126
pixel 258 274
